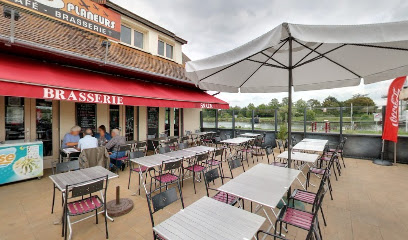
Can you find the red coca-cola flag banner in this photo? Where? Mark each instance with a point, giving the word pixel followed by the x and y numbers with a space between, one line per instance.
pixel 392 113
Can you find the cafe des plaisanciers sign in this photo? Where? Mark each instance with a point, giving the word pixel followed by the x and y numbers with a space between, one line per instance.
pixel 85 14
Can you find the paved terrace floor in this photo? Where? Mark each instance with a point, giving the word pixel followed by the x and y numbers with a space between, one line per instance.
pixel 370 202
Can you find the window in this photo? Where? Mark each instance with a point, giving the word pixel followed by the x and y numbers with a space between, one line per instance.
pixel 113 117
pixel 161 48
pixel 14 118
pixel 130 122
pixel 169 51
pixel 138 39
pixel 125 35
pixel 165 49
pixel 44 124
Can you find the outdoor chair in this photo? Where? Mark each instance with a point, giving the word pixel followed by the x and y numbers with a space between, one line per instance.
pixel 164 149
pixel 310 197
pixel 302 219
pixel 172 143
pixel 137 170
pixel 247 149
pixel 327 157
pixel 274 237
pixel 259 146
pixel 211 176
pixel 269 152
pixel 61 168
pixel 227 136
pixel 280 145
pixel 141 146
pixel 340 150
pixel 163 135
pixel 322 172
pixel 214 162
pixel 160 201
pixel 217 141
pixel 169 172
pixel 196 165
pixel 184 139
pixel 82 199
pixel 208 139
pixel 234 163
pixel 119 161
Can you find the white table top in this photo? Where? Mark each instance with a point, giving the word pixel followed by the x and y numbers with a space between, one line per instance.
pixel 208 219
pixel 250 134
pixel 180 154
pixel 61 180
pixel 315 140
pixel 151 161
pixel 237 140
pixel 299 156
pixel 263 184
pixel 315 146
pixel 202 133
pixel 200 149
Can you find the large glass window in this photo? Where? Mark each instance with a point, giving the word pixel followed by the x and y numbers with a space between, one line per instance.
pixel 125 35
pixel 113 117
pixel 138 39
pixel 160 50
pixel 86 116
pixel 43 109
pixel 153 121
pixel 169 51
pixel 14 118
pixel 130 122
pixel 167 122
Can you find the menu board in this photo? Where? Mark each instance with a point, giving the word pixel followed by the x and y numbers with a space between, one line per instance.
pixel 153 120
pixel 86 116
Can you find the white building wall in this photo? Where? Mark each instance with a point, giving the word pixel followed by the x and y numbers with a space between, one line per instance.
pixel 191 119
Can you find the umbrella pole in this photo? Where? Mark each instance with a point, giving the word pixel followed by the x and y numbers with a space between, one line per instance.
pixel 290 105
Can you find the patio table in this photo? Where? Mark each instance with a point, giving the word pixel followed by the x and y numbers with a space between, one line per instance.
pixel 236 142
pixel 200 149
pixel 304 158
pixel 262 184
pixel 251 135
pixel 180 154
pixel 311 146
pixel 210 219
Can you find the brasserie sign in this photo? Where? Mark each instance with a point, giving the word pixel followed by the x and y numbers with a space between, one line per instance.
pixel 81 13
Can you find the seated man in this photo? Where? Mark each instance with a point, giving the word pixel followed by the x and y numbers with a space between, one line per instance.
pixel 87 141
pixel 113 147
pixel 71 139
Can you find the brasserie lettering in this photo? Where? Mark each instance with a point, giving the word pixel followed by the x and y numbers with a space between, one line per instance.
pixel 59 94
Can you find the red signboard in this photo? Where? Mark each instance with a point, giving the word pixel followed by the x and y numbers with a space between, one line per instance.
pixel 392 113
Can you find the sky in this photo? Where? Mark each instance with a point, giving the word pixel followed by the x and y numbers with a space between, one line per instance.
pixel 215 26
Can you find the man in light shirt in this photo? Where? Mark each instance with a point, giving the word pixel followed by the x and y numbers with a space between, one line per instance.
pixel 87 141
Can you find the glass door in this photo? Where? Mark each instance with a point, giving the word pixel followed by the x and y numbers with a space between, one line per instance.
pixel 15 120
pixel 44 127
pixel 153 121
pixel 130 123
pixel 176 122
pixel 167 122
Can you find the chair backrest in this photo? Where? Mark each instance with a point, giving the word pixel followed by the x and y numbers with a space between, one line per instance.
pixel 217 139
pixel 201 157
pixel 87 188
pixel 164 149
pixel 183 146
pixel 124 148
pixel 188 132
pixel 66 167
pixel 185 138
pixel 151 136
pixel 218 152
pixel 171 165
pixel 279 143
pixel 136 154
pixel 234 163
pixel 211 176
pixel 173 140
pixel 162 200
pixel 227 136
pixel 163 135
pixel 130 142
pixel 197 131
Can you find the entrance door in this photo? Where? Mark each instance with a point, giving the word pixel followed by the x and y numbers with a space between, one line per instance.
pixel 176 122
pixel 153 121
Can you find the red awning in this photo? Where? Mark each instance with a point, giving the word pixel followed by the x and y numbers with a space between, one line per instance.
pixel 23 77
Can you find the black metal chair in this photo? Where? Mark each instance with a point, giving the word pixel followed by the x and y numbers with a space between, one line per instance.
pixel 322 172
pixel 340 150
pixel 269 152
pixel 234 163
pixel 88 202
pixel 122 160
pixel 182 146
pixel 137 170
pixel 310 197
pixel 61 168
pixel 211 176
pixel 160 201
pixel 169 172
pixel 197 165
pixel 305 220
pixel 214 162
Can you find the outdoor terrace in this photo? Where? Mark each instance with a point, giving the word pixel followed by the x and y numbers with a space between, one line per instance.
pixel 369 203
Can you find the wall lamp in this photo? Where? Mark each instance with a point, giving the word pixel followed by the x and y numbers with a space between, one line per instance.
pixel 8 13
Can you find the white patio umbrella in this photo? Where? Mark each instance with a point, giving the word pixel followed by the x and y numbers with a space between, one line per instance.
pixel 307 57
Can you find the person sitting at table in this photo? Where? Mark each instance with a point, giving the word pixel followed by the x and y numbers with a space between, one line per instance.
pixel 102 135
pixel 87 141
pixel 71 139
pixel 113 147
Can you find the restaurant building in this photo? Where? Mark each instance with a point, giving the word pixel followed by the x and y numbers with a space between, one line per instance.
pixel 88 63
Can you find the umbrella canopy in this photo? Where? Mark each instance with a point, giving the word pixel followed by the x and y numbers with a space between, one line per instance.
pixel 307 57
pixel 323 57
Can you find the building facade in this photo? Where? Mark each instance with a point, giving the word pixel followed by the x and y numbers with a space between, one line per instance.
pixel 91 63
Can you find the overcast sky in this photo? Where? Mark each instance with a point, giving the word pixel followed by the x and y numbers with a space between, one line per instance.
pixel 216 26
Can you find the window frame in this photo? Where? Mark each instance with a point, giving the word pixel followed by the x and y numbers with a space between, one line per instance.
pixel 165 43
pixel 134 29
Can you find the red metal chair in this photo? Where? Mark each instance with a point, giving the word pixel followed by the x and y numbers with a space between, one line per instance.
pixel 211 176
pixel 137 170
pixel 169 172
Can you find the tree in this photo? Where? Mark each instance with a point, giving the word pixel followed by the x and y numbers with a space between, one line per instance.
pixel 285 101
pixel 361 100
pixel 333 103
pixel 300 105
pixel 274 104
pixel 313 103
pixel 310 115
